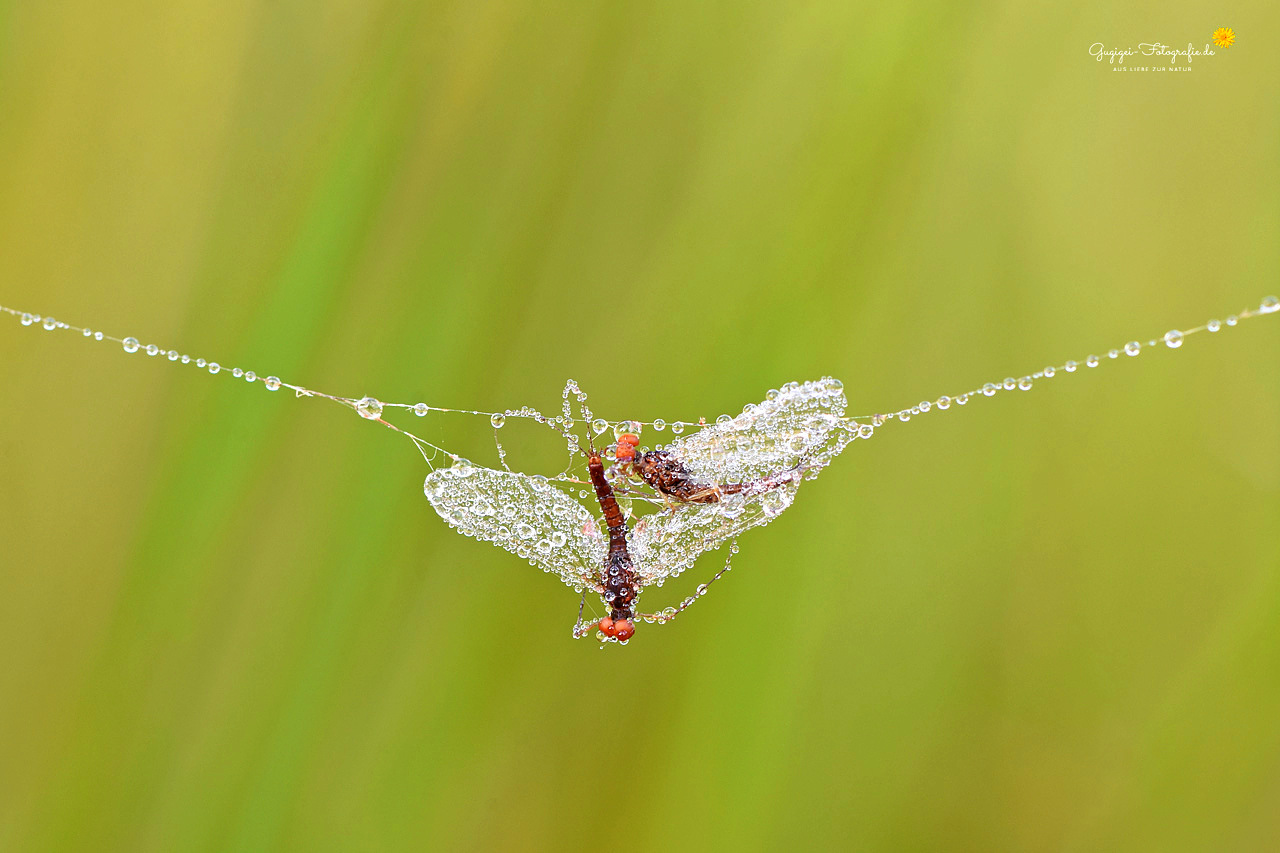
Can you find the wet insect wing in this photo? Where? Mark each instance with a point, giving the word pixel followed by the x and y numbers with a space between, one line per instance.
pixel 797 425
pixel 666 543
pixel 525 515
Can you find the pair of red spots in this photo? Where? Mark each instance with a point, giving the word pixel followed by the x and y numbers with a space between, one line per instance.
pixel 623 629
pixel 626 450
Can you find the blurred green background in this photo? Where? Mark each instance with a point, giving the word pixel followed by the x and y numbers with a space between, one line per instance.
pixel 229 620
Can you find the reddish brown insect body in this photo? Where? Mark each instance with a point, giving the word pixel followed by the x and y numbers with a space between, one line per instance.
pixel 620 585
pixel 667 474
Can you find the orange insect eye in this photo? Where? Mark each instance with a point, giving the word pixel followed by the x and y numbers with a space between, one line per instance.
pixel 624 628
pixel 608 627
pixel 630 438
pixel 625 452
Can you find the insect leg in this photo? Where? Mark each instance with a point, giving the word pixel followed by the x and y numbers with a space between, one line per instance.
pixel 672 612
pixel 580 628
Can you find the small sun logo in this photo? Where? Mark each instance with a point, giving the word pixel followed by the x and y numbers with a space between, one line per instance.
pixel 1224 37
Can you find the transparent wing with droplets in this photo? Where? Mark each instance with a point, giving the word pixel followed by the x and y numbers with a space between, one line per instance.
pixel 800 425
pixel 525 515
pixel 664 544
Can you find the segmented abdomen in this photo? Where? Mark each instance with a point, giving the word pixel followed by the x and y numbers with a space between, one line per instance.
pixel 613 518
pixel 619 580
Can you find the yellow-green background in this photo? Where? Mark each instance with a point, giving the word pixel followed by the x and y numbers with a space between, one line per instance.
pixel 230 621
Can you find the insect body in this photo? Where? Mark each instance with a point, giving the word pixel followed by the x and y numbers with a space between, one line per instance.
pixel 797 429
pixel 665 473
pixel 619 580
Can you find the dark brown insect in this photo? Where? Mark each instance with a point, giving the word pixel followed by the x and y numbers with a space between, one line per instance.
pixel 667 475
pixel 620 584
pixel 663 471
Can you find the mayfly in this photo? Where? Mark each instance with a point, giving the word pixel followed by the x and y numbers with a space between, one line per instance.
pixel 769 449
pixel 796 429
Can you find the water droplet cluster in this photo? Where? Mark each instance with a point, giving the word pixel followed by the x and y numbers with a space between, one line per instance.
pixel 798 425
pixel 1173 339
pixel 132 345
pixel 523 514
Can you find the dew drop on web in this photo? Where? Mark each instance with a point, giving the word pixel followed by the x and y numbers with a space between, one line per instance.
pixel 369 408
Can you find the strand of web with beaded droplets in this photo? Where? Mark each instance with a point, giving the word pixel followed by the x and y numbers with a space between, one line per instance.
pixel 372 408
